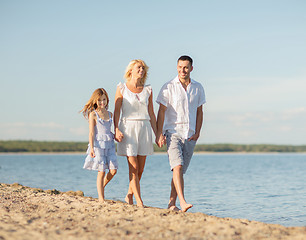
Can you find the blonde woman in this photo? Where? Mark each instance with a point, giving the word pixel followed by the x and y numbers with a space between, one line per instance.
pixel 101 153
pixel 134 101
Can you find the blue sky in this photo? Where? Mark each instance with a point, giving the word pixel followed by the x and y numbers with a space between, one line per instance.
pixel 250 57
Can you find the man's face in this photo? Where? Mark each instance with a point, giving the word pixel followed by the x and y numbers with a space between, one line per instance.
pixel 184 68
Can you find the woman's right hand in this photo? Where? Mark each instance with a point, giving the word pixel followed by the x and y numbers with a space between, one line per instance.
pixel 118 135
pixel 160 140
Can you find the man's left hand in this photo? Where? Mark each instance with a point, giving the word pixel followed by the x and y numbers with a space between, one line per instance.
pixel 194 137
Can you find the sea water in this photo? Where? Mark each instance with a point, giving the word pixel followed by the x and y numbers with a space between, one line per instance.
pixel 269 188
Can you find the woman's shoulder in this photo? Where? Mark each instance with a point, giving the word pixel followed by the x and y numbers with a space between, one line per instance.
pixel 148 88
pixel 121 87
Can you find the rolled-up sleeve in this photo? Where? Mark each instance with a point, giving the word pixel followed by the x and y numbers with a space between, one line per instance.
pixel 163 96
pixel 202 97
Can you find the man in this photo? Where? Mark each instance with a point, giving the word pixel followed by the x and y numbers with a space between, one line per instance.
pixel 179 119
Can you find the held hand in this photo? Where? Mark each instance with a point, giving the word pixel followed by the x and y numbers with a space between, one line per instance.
pixel 160 140
pixel 92 153
pixel 157 140
pixel 118 135
pixel 163 140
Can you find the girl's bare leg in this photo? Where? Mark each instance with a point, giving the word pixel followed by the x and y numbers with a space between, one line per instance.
pixel 141 164
pixel 134 182
pixel 100 186
pixel 109 176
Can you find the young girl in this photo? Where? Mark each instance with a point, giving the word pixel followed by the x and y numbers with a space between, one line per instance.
pixel 101 153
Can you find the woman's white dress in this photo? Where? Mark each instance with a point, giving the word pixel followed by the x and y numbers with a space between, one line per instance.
pixel 135 123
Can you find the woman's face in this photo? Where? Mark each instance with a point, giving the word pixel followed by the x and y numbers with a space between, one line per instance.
pixel 138 71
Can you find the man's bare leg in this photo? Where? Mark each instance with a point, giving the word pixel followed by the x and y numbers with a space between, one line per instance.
pixel 178 181
pixel 173 197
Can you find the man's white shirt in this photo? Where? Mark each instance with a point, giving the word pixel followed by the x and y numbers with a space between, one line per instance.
pixel 182 105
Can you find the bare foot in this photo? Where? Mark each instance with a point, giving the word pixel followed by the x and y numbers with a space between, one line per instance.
pixel 140 205
pixel 101 200
pixel 174 208
pixel 129 199
pixel 186 206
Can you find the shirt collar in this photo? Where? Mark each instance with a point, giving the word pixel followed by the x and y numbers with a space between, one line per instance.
pixel 177 80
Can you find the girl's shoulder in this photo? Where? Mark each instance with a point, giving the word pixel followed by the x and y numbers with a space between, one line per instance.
pixel 110 114
pixel 92 114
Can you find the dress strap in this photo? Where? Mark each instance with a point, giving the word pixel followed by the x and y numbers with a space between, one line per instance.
pixel 109 115
pixel 97 114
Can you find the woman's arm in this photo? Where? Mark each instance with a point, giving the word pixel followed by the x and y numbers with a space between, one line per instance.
pixel 160 139
pixel 152 114
pixel 118 104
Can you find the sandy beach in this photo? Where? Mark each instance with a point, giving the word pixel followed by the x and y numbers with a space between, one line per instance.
pixel 31 213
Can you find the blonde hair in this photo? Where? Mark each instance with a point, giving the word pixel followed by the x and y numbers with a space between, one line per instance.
pixel 91 105
pixel 128 74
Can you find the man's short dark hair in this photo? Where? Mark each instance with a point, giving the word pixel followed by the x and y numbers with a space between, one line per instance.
pixel 185 58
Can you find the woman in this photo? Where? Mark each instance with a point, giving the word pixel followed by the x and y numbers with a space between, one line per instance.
pixel 134 132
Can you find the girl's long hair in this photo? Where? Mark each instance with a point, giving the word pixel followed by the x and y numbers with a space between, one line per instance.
pixel 128 74
pixel 91 105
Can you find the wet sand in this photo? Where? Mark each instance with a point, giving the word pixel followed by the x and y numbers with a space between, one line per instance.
pixel 31 213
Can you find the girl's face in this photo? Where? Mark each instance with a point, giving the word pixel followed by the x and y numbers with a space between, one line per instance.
pixel 138 70
pixel 102 102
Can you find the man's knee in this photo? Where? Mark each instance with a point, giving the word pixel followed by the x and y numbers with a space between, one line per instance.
pixel 113 171
pixel 178 168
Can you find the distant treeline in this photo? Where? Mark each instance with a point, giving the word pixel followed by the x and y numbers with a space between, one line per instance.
pixel 46 146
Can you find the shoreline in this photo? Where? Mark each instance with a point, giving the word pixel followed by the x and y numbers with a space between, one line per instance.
pixel 155 153
pixel 33 213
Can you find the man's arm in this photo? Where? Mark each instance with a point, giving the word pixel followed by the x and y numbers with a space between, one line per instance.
pixel 199 122
pixel 160 140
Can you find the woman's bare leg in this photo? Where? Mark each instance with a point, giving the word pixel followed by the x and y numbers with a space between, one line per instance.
pixel 109 176
pixel 141 164
pixel 100 186
pixel 134 179
pixel 129 195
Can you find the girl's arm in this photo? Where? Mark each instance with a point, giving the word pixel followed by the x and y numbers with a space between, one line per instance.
pixel 152 114
pixel 118 104
pixel 92 123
